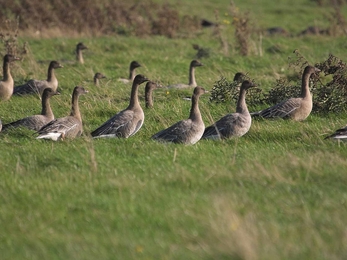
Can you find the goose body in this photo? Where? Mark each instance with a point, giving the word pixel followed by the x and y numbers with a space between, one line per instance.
pixel 97 78
pixel 128 121
pixel 188 131
pixel 36 122
pixel 340 134
pixel 65 127
pixel 133 65
pixel 38 86
pixel 7 84
pixel 232 125
pixel 192 81
pixel 79 52
pixel 297 109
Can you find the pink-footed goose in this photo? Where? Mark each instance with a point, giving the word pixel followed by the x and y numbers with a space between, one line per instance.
pixel 133 65
pixel 79 52
pixel 297 109
pixel 65 127
pixel 7 84
pixel 150 86
pixel 97 78
pixel 340 134
pixel 38 86
pixel 188 131
pixel 235 124
pixel 36 122
pixel 192 80
pixel 128 121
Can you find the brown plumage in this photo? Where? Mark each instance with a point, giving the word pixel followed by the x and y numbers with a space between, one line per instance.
pixel 297 109
pixel 187 131
pixel 235 124
pixel 38 86
pixel 36 122
pixel 65 127
pixel 7 84
pixel 128 121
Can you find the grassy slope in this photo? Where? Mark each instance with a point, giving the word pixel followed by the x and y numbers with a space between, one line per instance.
pixel 277 193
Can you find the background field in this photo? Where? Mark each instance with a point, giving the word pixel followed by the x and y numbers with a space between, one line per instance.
pixel 279 192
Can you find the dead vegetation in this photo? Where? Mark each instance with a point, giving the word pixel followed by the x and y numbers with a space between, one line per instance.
pixel 99 17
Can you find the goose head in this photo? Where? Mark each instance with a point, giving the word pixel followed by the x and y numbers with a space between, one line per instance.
pixel 139 79
pixel 239 77
pixel 311 70
pixel 246 84
pixel 195 63
pixel 80 90
pixel 99 75
pixel 50 92
pixel 55 65
pixel 134 64
pixel 10 58
pixel 198 91
pixel 152 85
pixel 80 46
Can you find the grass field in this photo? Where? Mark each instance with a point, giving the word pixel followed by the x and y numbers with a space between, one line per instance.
pixel 279 192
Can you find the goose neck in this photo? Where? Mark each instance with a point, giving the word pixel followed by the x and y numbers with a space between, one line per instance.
pixel 195 114
pixel 134 101
pixel 79 56
pixel 50 74
pixel 241 106
pixel 148 97
pixel 305 85
pixel 46 107
pixel 75 109
pixel 6 71
pixel 192 81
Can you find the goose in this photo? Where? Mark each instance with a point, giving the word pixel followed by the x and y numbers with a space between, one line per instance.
pixel 235 124
pixel 188 131
pixel 65 127
pixel 133 65
pixel 298 109
pixel 192 81
pixel 340 134
pixel 79 48
pixel 150 86
pixel 35 122
pixel 97 78
pixel 6 85
pixel 128 121
pixel 37 86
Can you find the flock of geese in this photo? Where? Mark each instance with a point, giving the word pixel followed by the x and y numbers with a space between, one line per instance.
pixel 129 121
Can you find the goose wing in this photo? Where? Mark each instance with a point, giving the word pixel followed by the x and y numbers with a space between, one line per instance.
pixel 339 134
pixel 66 126
pixel 31 87
pixel 35 123
pixel 177 133
pixel 124 124
pixel 222 128
pixel 281 110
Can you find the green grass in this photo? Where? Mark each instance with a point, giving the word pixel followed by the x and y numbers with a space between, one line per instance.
pixel 279 192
